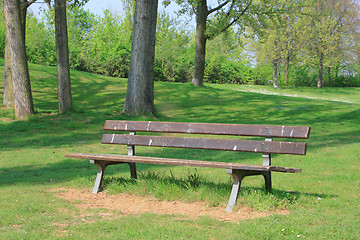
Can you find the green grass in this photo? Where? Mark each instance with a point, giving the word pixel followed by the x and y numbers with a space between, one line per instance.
pixel 323 200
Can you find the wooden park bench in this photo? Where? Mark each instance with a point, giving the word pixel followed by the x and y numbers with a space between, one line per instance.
pixel 237 170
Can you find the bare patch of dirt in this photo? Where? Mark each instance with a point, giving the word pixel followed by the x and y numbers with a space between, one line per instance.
pixel 129 204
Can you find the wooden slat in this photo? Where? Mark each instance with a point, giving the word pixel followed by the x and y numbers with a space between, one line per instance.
pixel 210 128
pixel 180 162
pixel 205 143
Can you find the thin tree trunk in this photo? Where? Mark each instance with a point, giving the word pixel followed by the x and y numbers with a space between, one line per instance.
pixel 140 90
pixel 200 43
pixel 320 79
pixel 329 76
pixel 62 53
pixel 19 67
pixel 275 73
pixel 286 70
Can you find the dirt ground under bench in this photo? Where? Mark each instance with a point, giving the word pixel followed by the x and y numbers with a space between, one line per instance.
pixel 128 204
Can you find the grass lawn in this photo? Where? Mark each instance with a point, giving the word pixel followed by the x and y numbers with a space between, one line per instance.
pixel 323 201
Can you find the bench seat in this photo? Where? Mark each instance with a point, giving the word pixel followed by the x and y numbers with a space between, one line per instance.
pixel 180 162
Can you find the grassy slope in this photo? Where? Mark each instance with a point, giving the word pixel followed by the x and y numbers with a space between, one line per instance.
pixel 323 199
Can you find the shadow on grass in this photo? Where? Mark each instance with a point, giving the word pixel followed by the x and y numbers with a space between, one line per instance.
pixel 56 172
pixel 193 182
pixel 44 174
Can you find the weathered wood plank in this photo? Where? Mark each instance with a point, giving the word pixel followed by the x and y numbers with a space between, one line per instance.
pixel 180 162
pixel 301 132
pixel 295 148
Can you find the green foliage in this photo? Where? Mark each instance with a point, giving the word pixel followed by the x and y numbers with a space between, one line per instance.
pixel 305 33
pixel 226 61
pixel 98 45
pixel 103 44
pixel 174 51
pixel 40 42
pixel 80 26
pixel 222 70
pixel 108 49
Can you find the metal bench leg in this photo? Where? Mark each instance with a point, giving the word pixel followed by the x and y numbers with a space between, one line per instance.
pixel 267 177
pixel 101 171
pixel 100 174
pixel 133 170
pixel 238 176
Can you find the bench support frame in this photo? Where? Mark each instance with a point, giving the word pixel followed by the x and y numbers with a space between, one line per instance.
pixel 238 176
pixel 101 165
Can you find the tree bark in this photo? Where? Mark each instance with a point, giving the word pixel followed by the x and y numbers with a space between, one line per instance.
pixel 200 43
pixel 275 73
pixel 140 90
pixel 62 53
pixel 286 70
pixel 19 66
pixel 320 79
pixel 8 98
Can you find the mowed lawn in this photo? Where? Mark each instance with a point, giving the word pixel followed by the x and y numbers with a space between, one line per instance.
pixel 322 201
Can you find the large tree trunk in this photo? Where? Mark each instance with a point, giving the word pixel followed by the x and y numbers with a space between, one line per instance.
pixel 8 97
pixel 19 67
pixel 200 43
pixel 275 73
pixel 320 79
pixel 62 53
pixel 140 90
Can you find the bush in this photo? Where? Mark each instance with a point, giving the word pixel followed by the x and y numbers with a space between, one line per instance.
pixel 222 70
pixel 40 42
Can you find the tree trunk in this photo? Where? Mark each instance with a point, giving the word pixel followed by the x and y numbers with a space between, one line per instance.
pixel 62 53
pixel 286 70
pixel 275 73
pixel 19 67
pixel 329 76
pixel 140 90
pixel 200 43
pixel 320 79
pixel 23 12
pixel 337 72
pixel 8 97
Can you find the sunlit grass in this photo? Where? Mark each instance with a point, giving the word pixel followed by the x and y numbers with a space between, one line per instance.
pixel 346 95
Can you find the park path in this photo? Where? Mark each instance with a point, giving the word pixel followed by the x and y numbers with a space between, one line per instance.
pixel 255 89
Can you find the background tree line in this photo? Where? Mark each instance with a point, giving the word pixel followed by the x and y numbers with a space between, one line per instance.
pixel 102 44
pixel 297 44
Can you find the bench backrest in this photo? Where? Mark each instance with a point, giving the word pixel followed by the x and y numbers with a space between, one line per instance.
pixel 266 147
